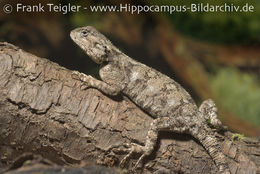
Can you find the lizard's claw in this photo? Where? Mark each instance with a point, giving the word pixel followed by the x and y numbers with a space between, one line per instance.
pixel 133 148
pixel 83 78
pixel 139 161
pixel 130 151
pixel 75 75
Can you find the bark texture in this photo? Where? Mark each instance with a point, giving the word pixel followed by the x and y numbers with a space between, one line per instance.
pixel 45 112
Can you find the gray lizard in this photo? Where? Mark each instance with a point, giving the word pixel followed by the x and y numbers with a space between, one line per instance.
pixel 162 98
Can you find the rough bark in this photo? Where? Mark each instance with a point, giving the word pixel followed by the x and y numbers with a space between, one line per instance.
pixel 44 111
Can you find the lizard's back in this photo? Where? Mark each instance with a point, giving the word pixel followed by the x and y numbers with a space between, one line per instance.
pixel 155 92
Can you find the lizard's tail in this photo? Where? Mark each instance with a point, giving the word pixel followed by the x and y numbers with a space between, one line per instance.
pixel 211 144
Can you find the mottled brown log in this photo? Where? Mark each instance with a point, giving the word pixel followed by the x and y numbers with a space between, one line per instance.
pixel 44 111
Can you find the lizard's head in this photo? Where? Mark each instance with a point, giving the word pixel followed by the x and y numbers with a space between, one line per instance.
pixel 95 45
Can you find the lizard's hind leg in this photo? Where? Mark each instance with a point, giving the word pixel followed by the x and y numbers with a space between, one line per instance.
pixel 210 112
pixel 159 124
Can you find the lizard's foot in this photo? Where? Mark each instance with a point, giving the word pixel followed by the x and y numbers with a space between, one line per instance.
pixel 210 112
pixel 83 78
pixel 75 75
pixel 133 148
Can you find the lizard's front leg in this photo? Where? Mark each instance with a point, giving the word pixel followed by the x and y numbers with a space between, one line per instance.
pixel 89 81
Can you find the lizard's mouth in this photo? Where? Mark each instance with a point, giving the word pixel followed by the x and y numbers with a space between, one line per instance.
pixel 73 36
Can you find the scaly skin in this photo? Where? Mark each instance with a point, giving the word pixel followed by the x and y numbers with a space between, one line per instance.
pixel 165 100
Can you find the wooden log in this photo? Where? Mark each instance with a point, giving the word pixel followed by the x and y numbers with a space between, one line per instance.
pixel 44 111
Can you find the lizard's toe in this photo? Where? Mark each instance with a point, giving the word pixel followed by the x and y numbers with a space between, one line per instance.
pixel 134 148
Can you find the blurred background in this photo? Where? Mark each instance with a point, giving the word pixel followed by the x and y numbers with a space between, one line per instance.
pixel 212 54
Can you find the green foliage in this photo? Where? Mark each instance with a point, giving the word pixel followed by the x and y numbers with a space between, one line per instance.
pixel 219 27
pixel 237 137
pixel 85 17
pixel 82 19
pixel 239 93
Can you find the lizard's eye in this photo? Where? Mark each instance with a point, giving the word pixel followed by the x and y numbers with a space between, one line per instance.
pixel 84 32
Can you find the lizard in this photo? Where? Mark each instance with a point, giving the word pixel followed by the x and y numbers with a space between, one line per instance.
pixel 165 100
